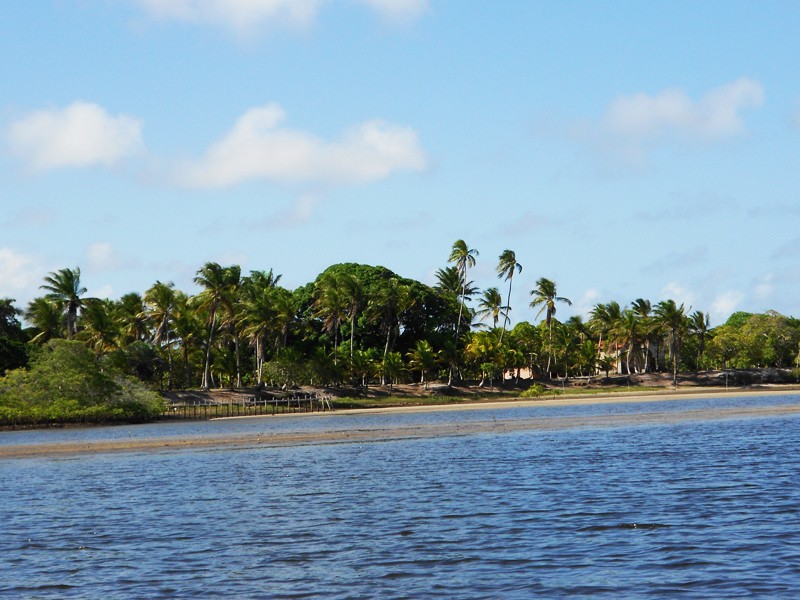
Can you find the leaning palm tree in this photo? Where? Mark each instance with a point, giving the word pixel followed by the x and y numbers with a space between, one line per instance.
pixel 545 296
pixel 66 290
pixel 506 267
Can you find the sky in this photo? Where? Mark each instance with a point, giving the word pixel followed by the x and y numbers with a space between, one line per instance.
pixel 623 149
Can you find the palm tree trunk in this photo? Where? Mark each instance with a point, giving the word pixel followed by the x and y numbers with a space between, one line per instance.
pixel 207 369
pixel 508 306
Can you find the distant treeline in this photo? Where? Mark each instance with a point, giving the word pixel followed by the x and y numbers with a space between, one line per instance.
pixel 367 325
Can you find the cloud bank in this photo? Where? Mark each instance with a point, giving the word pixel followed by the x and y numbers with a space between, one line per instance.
pixel 81 135
pixel 257 147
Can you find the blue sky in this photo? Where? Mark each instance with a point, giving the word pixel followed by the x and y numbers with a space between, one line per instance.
pixel 622 149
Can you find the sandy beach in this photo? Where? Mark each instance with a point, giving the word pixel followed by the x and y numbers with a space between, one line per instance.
pixel 489 425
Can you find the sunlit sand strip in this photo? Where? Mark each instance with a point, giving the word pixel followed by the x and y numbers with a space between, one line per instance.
pixel 267 439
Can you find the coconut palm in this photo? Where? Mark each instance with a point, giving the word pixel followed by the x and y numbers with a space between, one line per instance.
pixel 330 305
pixel 130 313
pixel 187 324
pixel 100 330
pixel 66 290
pixel 386 306
pixel 257 324
pixel 160 304
pixel 393 368
pixel 628 332
pixel 603 319
pixel 643 310
pixel 491 305
pixel 219 284
pixel 422 358
pixel 47 319
pixel 545 296
pixel 698 325
pixel 506 267
pixel 463 258
pixel 673 318
pixel 285 312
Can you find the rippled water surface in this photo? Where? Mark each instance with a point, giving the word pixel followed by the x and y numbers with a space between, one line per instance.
pixel 698 510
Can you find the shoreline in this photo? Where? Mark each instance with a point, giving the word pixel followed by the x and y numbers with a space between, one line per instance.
pixel 266 439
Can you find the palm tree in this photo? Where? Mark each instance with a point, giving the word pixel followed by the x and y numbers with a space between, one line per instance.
pixel 66 290
pixel 330 305
pixel 218 283
pixel 673 319
pixel 422 358
pixel 544 295
pixel 603 319
pixel 386 306
pixel 643 310
pixel 491 305
pixel 393 367
pixel 506 267
pixel 256 322
pixel 699 323
pixel 285 310
pixel 187 324
pixel 353 295
pixel 160 304
pixel 100 330
pixel 47 319
pixel 132 318
pixel 463 257
pixel 628 332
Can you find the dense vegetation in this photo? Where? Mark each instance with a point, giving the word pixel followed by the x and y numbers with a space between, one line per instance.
pixel 354 324
pixel 66 384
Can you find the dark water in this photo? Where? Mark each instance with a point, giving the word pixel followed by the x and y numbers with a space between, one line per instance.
pixel 696 510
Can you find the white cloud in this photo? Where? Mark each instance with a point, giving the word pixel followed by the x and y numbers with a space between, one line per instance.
pixel 632 125
pixel 81 135
pixel 18 273
pixel 725 304
pixel 715 115
pixel 258 148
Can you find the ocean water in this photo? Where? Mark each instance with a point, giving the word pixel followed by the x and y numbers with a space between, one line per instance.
pixel 693 510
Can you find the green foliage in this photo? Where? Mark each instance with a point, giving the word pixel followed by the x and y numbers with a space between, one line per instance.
pixel 13 351
pixel 65 383
pixel 738 319
pixel 537 390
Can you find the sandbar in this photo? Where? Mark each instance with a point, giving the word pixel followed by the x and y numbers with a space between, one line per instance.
pixel 418 431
